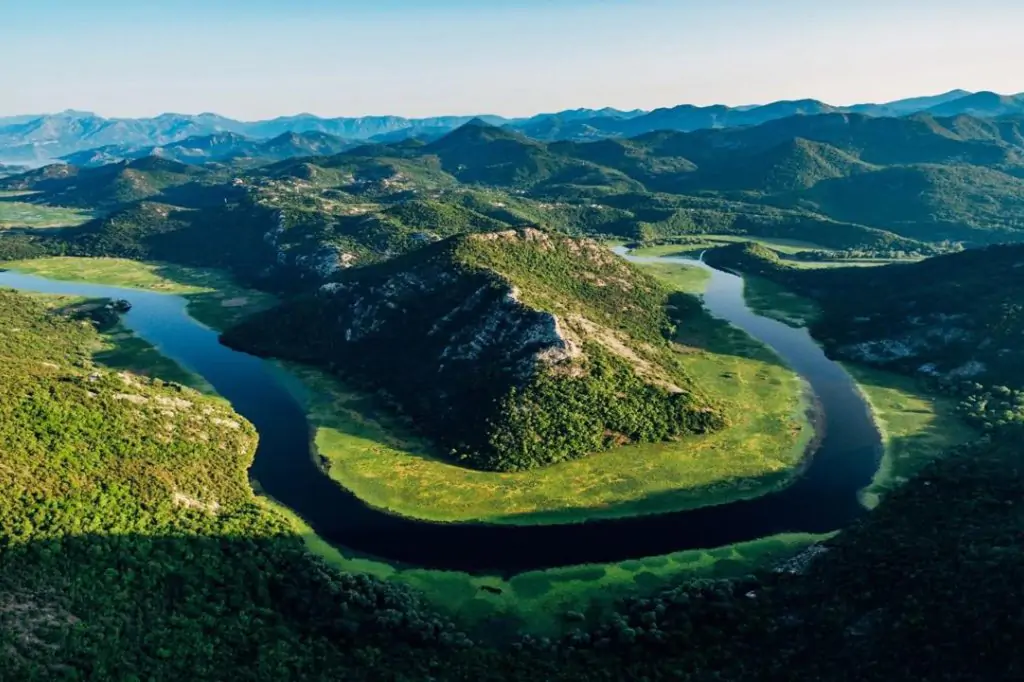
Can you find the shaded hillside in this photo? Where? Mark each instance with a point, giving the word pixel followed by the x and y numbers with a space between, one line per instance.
pixel 927 202
pixel 511 349
pixel 104 187
pixel 959 316
pixel 482 153
pixel 219 147
pixel 796 164
pixel 981 104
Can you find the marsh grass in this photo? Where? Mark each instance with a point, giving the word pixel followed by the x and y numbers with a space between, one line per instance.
pixel 539 602
pixel 214 298
pixel 15 214
pixel 381 460
pixel 917 426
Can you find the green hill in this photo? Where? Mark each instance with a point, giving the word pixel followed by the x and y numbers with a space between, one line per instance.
pixel 485 154
pixel 957 317
pixel 796 164
pixel 104 187
pixel 131 544
pixel 511 349
pixel 929 202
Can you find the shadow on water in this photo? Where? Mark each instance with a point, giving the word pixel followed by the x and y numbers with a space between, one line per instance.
pixel 823 499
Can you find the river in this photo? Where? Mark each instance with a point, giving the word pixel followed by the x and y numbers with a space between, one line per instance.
pixel 822 499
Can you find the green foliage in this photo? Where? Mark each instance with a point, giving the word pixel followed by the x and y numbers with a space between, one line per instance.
pixel 993 408
pixel 511 350
pixel 930 203
pixel 131 546
pixel 552 419
pixel 957 316
pixel 105 187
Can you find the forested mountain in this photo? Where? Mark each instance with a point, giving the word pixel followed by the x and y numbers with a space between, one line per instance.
pixel 510 349
pixel 931 181
pixel 36 139
pixel 133 548
pixel 104 187
pixel 958 316
pixel 219 147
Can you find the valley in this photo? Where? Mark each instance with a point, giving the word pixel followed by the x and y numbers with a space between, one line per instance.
pixel 519 401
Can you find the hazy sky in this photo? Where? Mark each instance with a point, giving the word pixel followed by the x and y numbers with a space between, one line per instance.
pixel 263 58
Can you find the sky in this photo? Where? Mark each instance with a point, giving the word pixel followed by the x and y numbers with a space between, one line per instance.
pixel 254 59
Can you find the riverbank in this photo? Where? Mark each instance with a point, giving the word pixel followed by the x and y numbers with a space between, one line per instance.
pixel 550 602
pixel 916 426
pixel 214 298
pixel 380 459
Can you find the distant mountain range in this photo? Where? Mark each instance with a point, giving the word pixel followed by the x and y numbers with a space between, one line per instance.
pixel 218 147
pixel 41 138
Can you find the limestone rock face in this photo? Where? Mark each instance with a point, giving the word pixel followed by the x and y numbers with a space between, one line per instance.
pixel 484 340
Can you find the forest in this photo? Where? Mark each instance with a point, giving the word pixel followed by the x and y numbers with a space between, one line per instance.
pixel 146 556
pixel 509 349
pixel 453 281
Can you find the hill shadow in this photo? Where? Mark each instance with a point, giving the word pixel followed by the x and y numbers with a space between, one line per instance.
pixel 208 606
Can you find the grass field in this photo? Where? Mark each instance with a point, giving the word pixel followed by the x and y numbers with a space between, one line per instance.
pixel 916 427
pixel 710 241
pixel 689 280
pixel 23 214
pixel 213 297
pixel 538 602
pixel 380 460
pixel 769 299
pixel 783 246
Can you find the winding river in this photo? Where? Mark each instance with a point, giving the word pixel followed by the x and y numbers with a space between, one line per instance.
pixel 824 498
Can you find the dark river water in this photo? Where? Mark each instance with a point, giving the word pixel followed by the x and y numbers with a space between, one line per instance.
pixel 824 498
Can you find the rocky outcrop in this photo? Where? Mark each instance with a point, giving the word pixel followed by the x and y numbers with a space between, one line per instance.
pixel 512 349
pixel 321 263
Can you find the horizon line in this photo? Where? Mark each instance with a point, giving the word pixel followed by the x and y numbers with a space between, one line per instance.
pixel 510 117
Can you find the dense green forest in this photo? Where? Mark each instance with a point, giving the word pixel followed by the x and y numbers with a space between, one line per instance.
pixel 933 181
pixel 131 550
pixel 953 317
pixel 510 349
pixel 132 547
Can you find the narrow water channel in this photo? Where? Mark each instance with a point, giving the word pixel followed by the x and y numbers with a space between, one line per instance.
pixel 824 498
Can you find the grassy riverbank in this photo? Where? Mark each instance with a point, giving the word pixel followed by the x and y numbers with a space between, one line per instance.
pixel 785 247
pixel 214 298
pixel 710 241
pixel 15 214
pixel 768 299
pixel 119 348
pixel 380 459
pixel 916 426
pixel 544 602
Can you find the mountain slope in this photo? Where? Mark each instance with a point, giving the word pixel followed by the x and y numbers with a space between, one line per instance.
pixel 981 104
pixel 511 349
pixel 958 316
pixel 796 164
pixel 911 105
pixel 218 147
pixel 104 187
pixel 929 202
pixel 478 152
